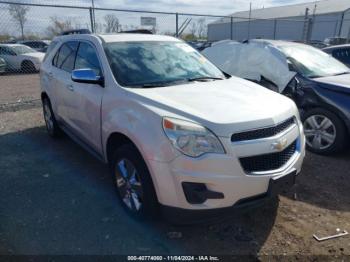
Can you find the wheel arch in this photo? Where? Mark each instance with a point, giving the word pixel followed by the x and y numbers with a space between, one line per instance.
pixel 26 61
pixel 115 140
pixel 44 95
pixel 333 110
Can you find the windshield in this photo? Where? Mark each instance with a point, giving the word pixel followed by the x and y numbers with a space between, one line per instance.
pixel 136 64
pixel 20 50
pixel 311 62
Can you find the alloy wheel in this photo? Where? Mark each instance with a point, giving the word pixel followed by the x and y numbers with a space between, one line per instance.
pixel 129 185
pixel 320 132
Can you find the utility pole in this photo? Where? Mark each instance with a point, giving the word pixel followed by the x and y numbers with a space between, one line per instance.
pixel 306 26
pixel 93 15
pixel 250 16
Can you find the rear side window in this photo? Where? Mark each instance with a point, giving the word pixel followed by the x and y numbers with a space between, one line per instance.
pixel 64 58
pixel 343 55
pixel 87 58
pixel 50 48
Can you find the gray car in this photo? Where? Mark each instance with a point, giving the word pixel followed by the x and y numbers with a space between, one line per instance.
pixel 2 65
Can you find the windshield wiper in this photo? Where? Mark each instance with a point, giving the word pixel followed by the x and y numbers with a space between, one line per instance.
pixel 204 78
pixel 174 82
pixel 158 84
pixel 343 73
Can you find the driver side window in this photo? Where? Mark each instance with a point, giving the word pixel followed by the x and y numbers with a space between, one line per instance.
pixel 6 51
pixel 87 58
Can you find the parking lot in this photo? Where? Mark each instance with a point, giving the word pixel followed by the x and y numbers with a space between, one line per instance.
pixel 57 199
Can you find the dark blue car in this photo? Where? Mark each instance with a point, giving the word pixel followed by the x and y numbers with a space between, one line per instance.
pixel 321 90
pixel 340 52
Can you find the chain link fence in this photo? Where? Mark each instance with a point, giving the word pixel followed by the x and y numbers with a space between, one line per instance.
pixel 29 25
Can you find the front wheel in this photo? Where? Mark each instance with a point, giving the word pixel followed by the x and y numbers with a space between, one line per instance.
pixel 50 120
pixel 325 132
pixel 28 67
pixel 133 182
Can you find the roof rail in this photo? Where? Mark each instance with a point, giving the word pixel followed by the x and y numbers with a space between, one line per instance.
pixel 138 31
pixel 76 32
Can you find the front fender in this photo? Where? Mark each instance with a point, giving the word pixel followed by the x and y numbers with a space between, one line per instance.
pixel 142 126
pixel 338 102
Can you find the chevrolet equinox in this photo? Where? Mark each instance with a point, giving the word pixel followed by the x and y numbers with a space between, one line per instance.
pixel 178 134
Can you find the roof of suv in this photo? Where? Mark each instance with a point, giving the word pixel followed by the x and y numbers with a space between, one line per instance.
pixel 122 37
pixel 277 43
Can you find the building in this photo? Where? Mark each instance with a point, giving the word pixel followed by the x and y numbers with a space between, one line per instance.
pixel 315 20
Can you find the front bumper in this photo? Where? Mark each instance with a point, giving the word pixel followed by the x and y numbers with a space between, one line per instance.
pixel 220 173
pixel 188 216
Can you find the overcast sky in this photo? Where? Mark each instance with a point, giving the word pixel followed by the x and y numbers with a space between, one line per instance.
pixel 39 18
pixel 220 7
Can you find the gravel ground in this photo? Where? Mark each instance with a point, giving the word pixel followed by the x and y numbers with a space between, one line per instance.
pixel 56 199
pixel 29 88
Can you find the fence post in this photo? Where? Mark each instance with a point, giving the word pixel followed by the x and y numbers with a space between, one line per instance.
pixel 341 24
pixel 92 21
pixel 231 27
pixel 177 25
pixel 306 26
pixel 274 29
pixel 309 30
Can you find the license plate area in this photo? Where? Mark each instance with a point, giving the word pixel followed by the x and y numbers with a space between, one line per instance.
pixel 278 185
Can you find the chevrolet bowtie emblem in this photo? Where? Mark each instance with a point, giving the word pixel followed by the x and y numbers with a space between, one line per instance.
pixel 280 145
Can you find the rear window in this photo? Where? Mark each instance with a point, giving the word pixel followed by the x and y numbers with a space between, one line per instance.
pixel 50 48
pixel 342 55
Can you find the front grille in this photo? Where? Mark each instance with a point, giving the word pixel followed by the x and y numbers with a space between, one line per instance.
pixel 263 132
pixel 268 162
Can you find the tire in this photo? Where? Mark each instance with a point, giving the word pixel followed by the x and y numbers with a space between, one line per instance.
pixel 28 67
pixel 325 132
pixel 52 126
pixel 136 193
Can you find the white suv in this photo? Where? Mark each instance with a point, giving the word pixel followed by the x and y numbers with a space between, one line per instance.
pixel 178 134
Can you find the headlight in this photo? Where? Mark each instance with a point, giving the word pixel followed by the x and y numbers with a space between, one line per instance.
pixel 191 139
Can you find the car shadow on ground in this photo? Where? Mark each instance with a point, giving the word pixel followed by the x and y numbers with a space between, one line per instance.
pixel 324 182
pixel 57 199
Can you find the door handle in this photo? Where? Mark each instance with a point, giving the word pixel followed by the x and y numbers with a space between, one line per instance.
pixel 70 87
pixel 50 75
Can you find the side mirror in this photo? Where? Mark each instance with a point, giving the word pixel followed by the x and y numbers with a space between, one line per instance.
pixel 87 76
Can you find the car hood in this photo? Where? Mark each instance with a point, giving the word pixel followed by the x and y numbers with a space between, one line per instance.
pixel 37 56
pixel 224 106
pixel 339 83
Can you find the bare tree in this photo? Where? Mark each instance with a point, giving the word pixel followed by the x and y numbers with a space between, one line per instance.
pixel 58 26
pixel 98 27
pixel 193 28
pixel 112 23
pixel 19 14
pixel 202 28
